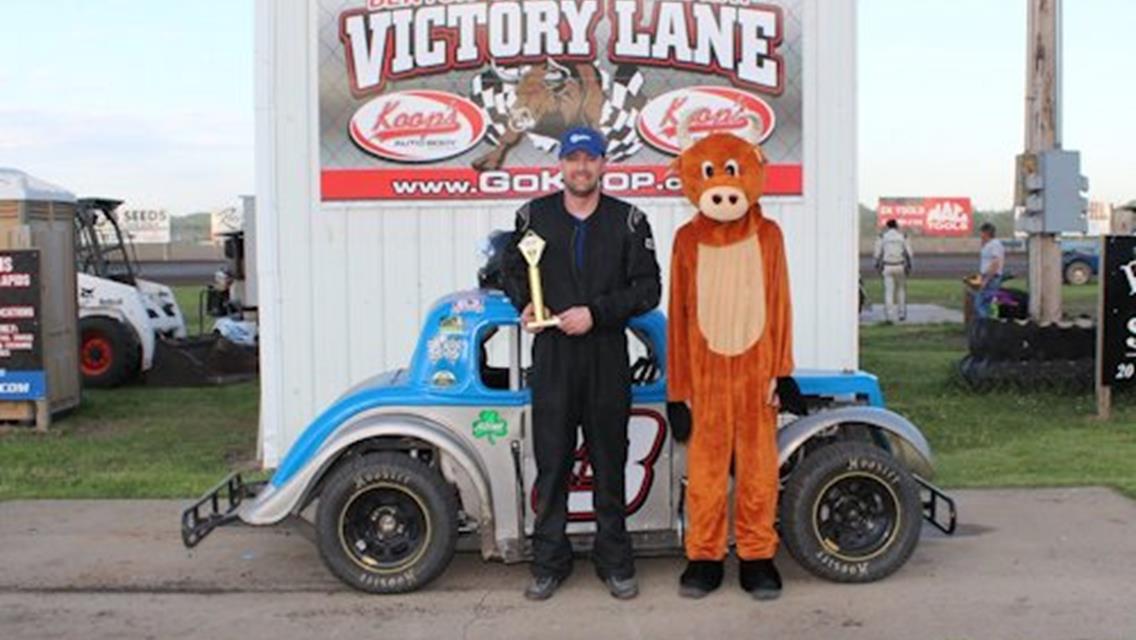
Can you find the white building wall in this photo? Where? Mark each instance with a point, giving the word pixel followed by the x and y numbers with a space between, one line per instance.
pixel 344 288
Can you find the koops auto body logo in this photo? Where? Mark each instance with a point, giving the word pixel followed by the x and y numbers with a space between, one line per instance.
pixel 947 218
pixel 417 126
pixel 712 110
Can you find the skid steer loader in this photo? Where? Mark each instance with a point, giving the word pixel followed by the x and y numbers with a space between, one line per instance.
pixel 133 329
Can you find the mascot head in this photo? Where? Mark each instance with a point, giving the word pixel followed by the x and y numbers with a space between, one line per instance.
pixel 722 174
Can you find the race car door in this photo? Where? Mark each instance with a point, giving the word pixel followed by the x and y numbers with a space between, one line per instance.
pixel 649 481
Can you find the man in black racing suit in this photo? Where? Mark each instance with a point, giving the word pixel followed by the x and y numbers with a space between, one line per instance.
pixel 598 269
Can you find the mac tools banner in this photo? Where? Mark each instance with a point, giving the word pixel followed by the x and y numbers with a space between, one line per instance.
pixel 928 216
pixel 439 100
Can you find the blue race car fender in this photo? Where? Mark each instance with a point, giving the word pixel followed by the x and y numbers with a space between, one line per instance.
pixel 279 501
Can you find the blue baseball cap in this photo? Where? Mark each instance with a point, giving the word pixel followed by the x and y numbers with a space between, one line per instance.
pixel 583 139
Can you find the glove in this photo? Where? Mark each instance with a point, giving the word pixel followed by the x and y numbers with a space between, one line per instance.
pixel 790 395
pixel 678 415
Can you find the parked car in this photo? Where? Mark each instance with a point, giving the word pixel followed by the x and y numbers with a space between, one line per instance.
pixel 405 464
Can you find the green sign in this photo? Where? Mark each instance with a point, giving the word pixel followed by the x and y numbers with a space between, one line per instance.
pixel 490 426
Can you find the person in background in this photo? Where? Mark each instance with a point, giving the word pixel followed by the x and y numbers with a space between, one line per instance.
pixel 992 260
pixel 894 261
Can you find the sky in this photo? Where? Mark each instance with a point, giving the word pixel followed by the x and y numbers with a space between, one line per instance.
pixel 941 97
pixel 152 101
pixel 145 100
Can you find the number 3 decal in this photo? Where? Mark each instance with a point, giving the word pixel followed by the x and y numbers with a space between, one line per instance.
pixel 646 434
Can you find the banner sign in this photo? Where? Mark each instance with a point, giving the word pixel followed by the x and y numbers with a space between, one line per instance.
pixel 460 99
pixel 21 351
pixel 227 220
pixel 145 226
pixel 928 216
pixel 1118 321
pixel 139 226
pixel 1098 219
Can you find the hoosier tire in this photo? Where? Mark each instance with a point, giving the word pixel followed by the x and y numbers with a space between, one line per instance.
pixel 851 513
pixel 387 523
pixel 109 353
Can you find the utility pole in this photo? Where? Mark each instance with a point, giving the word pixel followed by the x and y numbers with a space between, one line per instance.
pixel 1043 132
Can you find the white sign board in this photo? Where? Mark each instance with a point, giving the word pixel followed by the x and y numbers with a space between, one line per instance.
pixel 145 226
pixel 226 220
pixel 321 220
pixel 1099 218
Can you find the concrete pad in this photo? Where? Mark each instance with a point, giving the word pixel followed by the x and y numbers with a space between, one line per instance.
pixel 916 314
pixel 1053 563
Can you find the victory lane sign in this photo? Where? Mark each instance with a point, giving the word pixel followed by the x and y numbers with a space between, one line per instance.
pixel 436 38
pixel 459 99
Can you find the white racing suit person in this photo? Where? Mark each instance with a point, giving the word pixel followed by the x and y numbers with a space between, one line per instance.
pixel 893 260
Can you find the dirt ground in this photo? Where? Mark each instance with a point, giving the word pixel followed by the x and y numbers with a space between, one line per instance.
pixel 1052 563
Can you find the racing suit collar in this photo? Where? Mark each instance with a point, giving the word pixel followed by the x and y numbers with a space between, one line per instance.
pixel 563 207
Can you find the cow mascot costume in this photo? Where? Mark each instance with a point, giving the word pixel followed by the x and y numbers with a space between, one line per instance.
pixel 728 343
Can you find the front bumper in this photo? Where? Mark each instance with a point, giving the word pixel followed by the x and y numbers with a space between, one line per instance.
pixel 937 507
pixel 217 508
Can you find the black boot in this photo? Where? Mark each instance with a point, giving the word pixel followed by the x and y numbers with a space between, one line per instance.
pixel 700 578
pixel 542 588
pixel 760 579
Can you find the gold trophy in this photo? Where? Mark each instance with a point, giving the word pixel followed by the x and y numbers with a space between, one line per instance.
pixel 532 246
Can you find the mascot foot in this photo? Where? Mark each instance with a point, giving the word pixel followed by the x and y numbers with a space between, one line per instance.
pixel 760 579
pixel 700 578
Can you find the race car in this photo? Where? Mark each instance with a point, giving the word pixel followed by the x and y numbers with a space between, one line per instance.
pixel 407 464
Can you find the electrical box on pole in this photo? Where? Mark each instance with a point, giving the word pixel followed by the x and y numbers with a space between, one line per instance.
pixel 1050 192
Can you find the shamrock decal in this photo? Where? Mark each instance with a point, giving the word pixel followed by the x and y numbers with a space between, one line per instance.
pixel 490 426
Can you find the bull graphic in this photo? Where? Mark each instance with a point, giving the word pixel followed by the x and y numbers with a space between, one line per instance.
pixel 550 98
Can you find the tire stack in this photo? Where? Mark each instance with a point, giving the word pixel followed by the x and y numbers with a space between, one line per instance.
pixel 1023 355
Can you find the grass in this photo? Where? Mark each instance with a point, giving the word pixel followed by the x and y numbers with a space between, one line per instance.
pixel 949 293
pixel 135 442
pixel 188 299
pixel 1001 439
pixel 138 442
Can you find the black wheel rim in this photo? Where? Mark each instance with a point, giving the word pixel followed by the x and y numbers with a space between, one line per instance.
pixel 856 516
pixel 384 528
